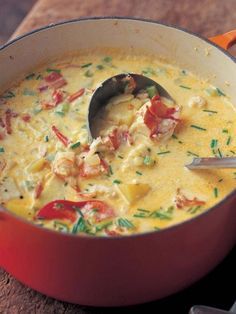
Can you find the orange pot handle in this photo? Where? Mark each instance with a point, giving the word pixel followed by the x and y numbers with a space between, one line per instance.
pixel 225 40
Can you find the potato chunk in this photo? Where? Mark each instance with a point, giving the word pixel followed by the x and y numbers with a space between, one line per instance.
pixel 133 192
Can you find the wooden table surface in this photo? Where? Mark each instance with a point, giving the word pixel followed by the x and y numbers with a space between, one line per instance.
pixel 206 17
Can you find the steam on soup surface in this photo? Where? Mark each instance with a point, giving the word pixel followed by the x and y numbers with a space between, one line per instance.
pixel 132 178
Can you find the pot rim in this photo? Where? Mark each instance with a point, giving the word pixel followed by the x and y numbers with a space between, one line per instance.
pixel 228 197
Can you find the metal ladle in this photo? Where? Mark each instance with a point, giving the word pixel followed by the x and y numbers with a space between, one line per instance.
pixel 115 86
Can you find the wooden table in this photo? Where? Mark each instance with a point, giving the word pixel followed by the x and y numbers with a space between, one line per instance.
pixel 206 17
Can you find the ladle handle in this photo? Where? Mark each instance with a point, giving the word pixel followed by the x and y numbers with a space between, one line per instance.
pixel 212 163
pixel 225 40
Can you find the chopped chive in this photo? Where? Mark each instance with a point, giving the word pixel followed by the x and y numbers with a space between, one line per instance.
pixel 147 160
pixel 197 127
pixel 192 154
pixel 143 210
pixel 28 92
pixel 160 215
pixel 139 173
pixel 84 126
pixel 103 225
pixel 110 170
pixel 39 77
pixel 219 92
pixel 75 145
pixel 116 181
pixel 220 180
pixel 119 156
pixel 152 91
pixel 80 226
pixel 210 111
pixel 215 192
pixel 228 140
pixel 157 228
pixel 107 59
pixel 193 210
pixel 46 139
pixel 219 152
pixel 184 72
pixel 162 153
pixel 100 67
pixel 88 73
pixel 225 131
pixel 2 150
pixel 214 143
pixel 174 136
pixel 86 65
pixel 149 149
pixel 61 226
pixel 125 223
pixel 184 86
pixel 8 94
pixel 232 152
pixel 30 76
pixel 53 70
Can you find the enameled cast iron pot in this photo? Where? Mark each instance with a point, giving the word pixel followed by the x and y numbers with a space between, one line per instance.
pixel 131 269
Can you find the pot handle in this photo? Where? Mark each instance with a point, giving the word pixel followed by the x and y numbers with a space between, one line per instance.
pixel 225 40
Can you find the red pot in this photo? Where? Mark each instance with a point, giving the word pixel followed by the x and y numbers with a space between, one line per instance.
pixel 118 270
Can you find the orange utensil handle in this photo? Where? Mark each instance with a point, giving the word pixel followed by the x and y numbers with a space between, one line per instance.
pixel 225 40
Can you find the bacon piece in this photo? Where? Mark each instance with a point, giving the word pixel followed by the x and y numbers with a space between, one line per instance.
pixel 8 116
pixel 26 117
pixel 182 201
pixel 54 80
pixel 156 113
pixel 57 97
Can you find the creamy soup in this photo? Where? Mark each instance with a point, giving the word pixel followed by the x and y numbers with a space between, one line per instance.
pixel 132 178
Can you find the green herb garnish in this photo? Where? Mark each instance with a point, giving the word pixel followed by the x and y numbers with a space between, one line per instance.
pixel 184 86
pixel 75 145
pixel 8 94
pixel 197 127
pixel 163 153
pixel 192 154
pixel 139 173
pixel 214 143
pixel 46 139
pixel 86 65
pixel 107 59
pixel 119 156
pixel 88 73
pixel 125 223
pixel 117 181
pixel 219 92
pixel 53 70
pixel 28 92
pixel 100 67
pixel 110 170
pixel 215 192
pixel 152 91
pixel 210 111
pixel 30 76
pixel 2 150
pixel 228 140
pixel 225 131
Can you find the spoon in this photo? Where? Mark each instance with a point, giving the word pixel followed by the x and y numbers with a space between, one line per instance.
pixel 114 86
pixel 212 163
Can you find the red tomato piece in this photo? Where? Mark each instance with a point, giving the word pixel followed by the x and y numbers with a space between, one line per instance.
pixel 65 141
pixel 57 97
pixel 26 117
pixel 76 95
